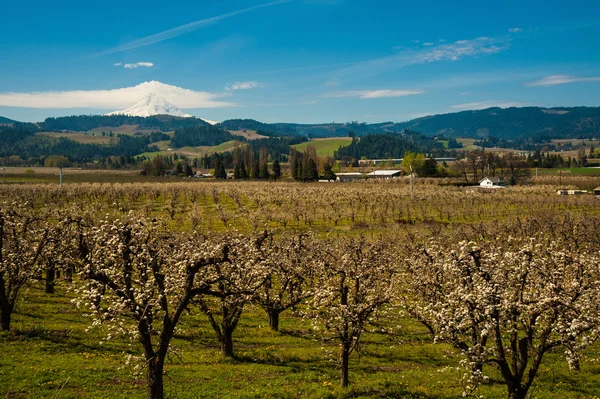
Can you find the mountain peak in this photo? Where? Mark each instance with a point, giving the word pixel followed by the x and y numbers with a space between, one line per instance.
pixel 152 104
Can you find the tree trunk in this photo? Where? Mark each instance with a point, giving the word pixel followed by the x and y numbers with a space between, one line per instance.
pixel 344 358
pixel 5 313
pixel 227 342
pixel 155 381
pixel 517 393
pixel 69 273
pixel 50 276
pixel 274 319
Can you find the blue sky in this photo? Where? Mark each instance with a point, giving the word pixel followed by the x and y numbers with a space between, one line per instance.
pixel 298 60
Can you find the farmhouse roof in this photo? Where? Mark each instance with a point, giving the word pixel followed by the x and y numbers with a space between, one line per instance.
pixel 384 173
pixel 349 174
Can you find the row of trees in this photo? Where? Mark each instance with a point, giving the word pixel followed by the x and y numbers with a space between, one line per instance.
pixel 510 167
pixel 308 166
pixel 502 301
pixel 383 146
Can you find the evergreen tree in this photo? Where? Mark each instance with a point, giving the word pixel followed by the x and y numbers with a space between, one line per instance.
pixel 220 172
pixel 255 171
pixel 243 172
pixel 328 172
pixel 187 170
pixel 264 171
pixel 429 168
pixel 276 170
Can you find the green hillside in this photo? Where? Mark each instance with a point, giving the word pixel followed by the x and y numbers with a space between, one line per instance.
pixel 325 147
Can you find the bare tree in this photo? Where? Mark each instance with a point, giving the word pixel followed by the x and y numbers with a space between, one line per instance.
pixel 516 168
pixel 462 167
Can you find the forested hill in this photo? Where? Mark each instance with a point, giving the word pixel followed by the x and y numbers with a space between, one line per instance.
pixel 266 129
pixel 506 124
pixel 511 123
pixel 84 123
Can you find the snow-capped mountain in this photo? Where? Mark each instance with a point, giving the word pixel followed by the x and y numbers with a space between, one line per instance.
pixel 209 121
pixel 151 104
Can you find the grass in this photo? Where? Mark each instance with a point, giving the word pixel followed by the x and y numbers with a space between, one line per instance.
pixel 49 353
pixel 193 152
pixel 568 172
pixel 95 136
pixel 325 147
pixel 248 134
pixel 82 137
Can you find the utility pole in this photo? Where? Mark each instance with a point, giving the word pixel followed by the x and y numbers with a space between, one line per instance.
pixel 560 177
pixel 412 176
pixel 60 178
pixel 4 173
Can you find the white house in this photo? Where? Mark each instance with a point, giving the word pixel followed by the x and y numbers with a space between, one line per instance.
pixel 491 182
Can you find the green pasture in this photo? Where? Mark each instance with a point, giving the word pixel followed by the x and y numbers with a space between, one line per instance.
pixel 325 147
pixel 50 354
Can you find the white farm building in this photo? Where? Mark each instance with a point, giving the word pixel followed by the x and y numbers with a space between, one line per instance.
pixel 384 174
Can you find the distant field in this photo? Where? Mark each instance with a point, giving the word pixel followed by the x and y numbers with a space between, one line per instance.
pixel 568 172
pixel 577 142
pixel 248 134
pixel 94 136
pixel 123 129
pixel 19 175
pixel 468 144
pixel 325 147
pixel 82 137
pixel 193 152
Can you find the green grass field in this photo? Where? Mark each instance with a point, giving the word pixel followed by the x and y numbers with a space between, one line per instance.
pixel 94 136
pixel 49 354
pixel 325 147
pixel 568 172
pixel 192 152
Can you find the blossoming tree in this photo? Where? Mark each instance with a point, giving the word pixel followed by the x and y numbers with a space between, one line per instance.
pixel 138 281
pixel 507 303
pixel 290 269
pixel 354 282
pixel 24 237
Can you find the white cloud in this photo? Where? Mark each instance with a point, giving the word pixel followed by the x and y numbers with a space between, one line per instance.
pixel 428 44
pixel 244 85
pixel 364 94
pixel 118 64
pixel 441 52
pixel 180 30
pixel 461 49
pixel 113 99
pixel 479 105
pixel 561 79
pixel 515 30
pixel 138 64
